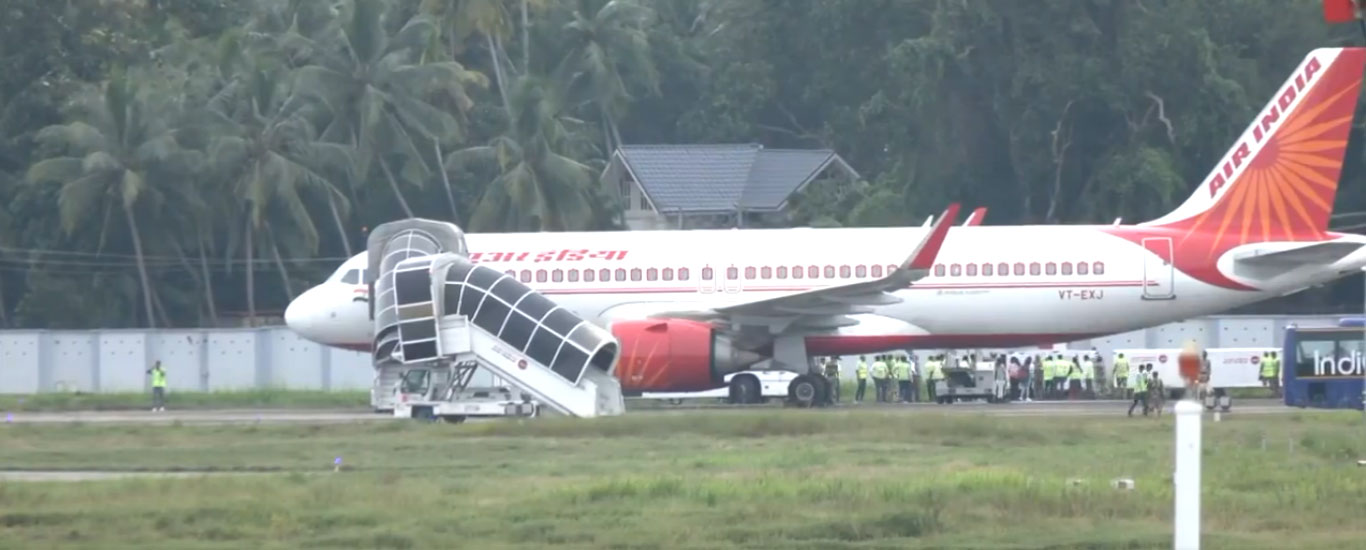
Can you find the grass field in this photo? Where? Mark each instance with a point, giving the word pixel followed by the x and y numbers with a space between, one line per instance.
pixel 714 479
pixel 278 399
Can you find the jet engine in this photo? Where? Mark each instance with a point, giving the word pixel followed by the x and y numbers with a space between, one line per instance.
pixel 672 355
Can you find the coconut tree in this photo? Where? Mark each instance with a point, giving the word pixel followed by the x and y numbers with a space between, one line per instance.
pixel 537 186
pixel 118 152
pixel 377 91
pixel 607 47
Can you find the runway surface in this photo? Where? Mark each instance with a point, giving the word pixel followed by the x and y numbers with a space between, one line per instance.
pixel 276 416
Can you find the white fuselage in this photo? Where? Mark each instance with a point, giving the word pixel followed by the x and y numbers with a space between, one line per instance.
pixel 1045 296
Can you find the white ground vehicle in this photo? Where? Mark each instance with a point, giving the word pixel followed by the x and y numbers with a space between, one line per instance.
pixel 745 387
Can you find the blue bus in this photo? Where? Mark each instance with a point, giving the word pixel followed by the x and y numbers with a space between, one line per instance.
pixel 1324 367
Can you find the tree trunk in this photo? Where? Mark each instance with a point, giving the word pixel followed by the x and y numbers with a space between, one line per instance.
pixel 251 270
pixel 4 311
pixel 280 264
pixel 498 74
pixel 393 184
pixel 445 179
pixel 208 286
pixel 526 40
pixel 341 228
pixel 606 132
pixel 198 281
pixel 161 310
pixel 142 266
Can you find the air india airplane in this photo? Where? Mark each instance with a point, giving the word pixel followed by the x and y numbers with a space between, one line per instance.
pixel 690 307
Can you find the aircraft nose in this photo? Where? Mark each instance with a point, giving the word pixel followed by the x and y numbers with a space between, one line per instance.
pixel 302 314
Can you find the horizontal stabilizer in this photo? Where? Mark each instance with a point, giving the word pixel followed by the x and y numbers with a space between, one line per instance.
pixel 1313 254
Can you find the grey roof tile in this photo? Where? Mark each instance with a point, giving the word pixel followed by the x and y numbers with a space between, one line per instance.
pixel 718 178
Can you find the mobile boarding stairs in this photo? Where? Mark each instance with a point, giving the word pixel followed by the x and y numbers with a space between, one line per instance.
pixel 438 318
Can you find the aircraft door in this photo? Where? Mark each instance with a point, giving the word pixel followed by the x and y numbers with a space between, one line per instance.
pixel 1158 272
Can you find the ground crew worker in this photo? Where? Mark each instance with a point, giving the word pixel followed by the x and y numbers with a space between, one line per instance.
pixel 1048 368
pixel 999 384
pixel 1061 370
pixel 1140 392
pixel 832 372
pixel 1275 374
pixel 903 379
pixel 1074 377
pixel 861 373
pixel 914 368
pixel 933 372
pixel 879 372
pixel 158 387
pixel 1269 372
pixel 1088 375
pixel 1122 375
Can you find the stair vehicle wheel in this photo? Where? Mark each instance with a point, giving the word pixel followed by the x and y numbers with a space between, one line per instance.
pixel 453 419
pixel 803 390
pixel 744 389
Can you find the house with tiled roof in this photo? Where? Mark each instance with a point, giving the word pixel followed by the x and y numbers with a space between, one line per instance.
pixel 711 185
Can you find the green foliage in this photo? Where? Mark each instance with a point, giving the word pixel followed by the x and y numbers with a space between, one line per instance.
pixel 173 151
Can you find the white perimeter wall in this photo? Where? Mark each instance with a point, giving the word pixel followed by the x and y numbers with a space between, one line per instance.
pixel 274 357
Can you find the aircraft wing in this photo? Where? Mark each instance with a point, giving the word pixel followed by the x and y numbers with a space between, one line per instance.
pixel 829 307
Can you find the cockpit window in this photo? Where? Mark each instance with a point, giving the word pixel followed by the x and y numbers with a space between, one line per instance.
pixel 352 277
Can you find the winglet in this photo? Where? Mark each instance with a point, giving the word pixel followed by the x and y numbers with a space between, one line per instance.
pixel 976 217
pixel 925 254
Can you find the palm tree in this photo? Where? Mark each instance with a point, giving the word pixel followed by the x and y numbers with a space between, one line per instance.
pixel 271 157
pixel 376 92
pixel 537 187
pixel 607 47
pixel 117 152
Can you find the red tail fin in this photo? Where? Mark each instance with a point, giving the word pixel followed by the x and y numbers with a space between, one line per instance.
pixel 1279 180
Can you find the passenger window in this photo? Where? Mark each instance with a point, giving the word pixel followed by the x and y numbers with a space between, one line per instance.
pixel 1067 268
pixel 1003 269
pixel 589 275
pixel 813 272
pixel 971 270
pixel 955 270
pixel 604 274
pixel 682 273
pixel 1083 268
pixel 540 275
pixel 938 270
pixel 706 274
pixel 668 274
pixel 1034 268
pixel 829 272
pixel 557 276
pixel 987 270
pixel 732 273
pixel 652 274
pixel 620 274
pixel 351 277
pixel 797 272
pixel 861 271
pixel 876 271
pixel 890 269
pixel 845 272
pixel 573 275
pixel 750 273
pixel 526 276
pixel 766 273
pixel 782 272
pixel 1098 268
pixel 635 274
pixel 1019 268
pixel 1050 268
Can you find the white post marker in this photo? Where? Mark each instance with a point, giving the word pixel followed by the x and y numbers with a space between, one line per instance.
pixel 1187 477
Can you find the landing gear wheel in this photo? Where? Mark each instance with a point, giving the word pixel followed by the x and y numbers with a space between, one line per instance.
pixel 744 390
pixel 823 391
pixel 804 391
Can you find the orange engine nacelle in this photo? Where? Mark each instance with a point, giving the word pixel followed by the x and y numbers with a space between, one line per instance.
pixel 672 355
